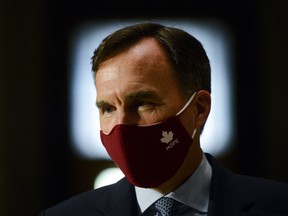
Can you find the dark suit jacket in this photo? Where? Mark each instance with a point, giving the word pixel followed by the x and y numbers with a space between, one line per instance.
pixel 231 195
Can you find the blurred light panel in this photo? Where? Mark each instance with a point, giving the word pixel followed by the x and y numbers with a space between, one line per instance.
pixel 108 176
pixel 219 129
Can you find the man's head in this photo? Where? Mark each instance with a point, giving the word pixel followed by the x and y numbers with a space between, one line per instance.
pixel 186 54
pixel 144 75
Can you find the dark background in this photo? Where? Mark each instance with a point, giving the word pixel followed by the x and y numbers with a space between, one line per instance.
pixel 38 168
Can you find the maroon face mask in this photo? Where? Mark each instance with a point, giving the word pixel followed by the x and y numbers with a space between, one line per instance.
pixel 149 155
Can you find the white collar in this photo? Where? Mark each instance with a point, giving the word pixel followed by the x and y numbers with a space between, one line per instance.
pixel 194 192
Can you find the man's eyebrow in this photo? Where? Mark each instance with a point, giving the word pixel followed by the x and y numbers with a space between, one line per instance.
pixel 142 94
pixel 101 103
pixel 135 95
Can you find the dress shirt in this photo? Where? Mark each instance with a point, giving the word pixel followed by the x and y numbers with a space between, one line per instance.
pixel 193 193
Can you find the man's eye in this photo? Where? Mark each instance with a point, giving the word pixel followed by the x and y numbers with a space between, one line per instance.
pixel 107 110
pixel 144 106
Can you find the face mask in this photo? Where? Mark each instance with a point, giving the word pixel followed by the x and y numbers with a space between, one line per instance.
pixel 149 155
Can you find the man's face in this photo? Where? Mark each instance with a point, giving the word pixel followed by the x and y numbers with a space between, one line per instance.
pixel 137 87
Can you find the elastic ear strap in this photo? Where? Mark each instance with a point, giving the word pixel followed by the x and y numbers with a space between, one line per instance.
pixel 194 132
pixel 187 104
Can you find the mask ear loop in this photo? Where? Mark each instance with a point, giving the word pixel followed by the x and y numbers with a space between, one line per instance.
pixel 187 104
pixel 194 132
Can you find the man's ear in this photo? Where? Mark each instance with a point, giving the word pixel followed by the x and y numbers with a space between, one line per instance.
pixel 203 106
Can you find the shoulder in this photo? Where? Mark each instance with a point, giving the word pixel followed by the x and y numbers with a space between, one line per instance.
pixel 254 184
pixel 240 190
pixel 264 189
pixel 268 195
pixel 86 203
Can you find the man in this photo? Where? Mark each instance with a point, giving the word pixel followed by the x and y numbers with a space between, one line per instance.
pixel 153 95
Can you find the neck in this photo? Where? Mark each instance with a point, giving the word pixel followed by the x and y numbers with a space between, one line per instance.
pixel 190 164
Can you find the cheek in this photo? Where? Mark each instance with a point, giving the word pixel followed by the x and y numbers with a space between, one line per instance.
pixel 149 119
pixel 155 116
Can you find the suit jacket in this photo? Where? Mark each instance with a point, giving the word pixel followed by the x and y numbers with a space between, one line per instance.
pixel 230 195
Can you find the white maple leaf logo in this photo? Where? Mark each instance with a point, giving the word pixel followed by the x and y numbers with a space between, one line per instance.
pixel 167 137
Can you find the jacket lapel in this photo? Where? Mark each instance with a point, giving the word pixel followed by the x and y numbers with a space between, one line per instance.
pixel 228 195
pixel 120 199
